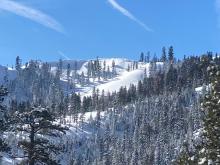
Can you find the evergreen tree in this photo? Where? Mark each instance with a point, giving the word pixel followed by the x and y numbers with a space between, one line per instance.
pixel 60 69
pixel 140 89
pixel 3 120
pixel 164 55
pixel 38 123
pixel 211 107
pixel 113 67
pixel 99 69
pixel 104 70
pixel 75 106
pixel 18 63
pixel 68 72
pixel 128 69
pixel 171 54
pixel 207 153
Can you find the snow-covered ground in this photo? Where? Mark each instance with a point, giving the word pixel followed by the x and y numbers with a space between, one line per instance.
pixel 77 131
pixel 203 89
pixel 124 79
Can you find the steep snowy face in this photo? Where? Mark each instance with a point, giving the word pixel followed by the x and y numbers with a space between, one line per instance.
pixel 128 72
pixel 125 79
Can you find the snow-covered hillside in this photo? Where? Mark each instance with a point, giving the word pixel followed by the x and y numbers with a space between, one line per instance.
pixel 149 122
pixel 123 77
pixel 127 72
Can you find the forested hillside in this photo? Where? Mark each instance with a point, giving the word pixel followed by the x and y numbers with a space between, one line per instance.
pixel 111 111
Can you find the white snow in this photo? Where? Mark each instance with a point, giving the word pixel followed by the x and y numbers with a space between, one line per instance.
pixel 202 89
pixel 125 79
pixel 6 161
pixel 202 161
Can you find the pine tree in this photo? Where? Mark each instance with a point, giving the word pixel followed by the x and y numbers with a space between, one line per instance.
pixel 164 55
pixel 140 89
pixel 104 70
pixel 75 106
pixel 171 54
pixel 113 67
pixel 98 68
pixel 3 120
pixel 68 72
pixel 211 107
pixel 39 123
pixel 59 69
pixel 128 69
pixel 18 63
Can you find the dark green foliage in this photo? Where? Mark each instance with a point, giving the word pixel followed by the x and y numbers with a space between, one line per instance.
pixel 211 107
pixel 208 152
pixel 37 122
pixel 164 55
pixel 171 54
pixel 3 120
pixel 171 79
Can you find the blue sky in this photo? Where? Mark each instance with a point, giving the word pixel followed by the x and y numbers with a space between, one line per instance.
pixel 84 29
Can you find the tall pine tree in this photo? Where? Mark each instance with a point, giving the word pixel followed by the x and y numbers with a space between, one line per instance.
pixel 171 54
pixel 38 124
pixel 211 107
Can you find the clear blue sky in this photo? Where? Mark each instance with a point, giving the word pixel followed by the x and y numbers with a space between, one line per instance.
pixel 84 29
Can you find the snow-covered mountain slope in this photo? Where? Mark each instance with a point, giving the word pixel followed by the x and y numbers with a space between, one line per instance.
pixel 127 72
pixel 123 77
